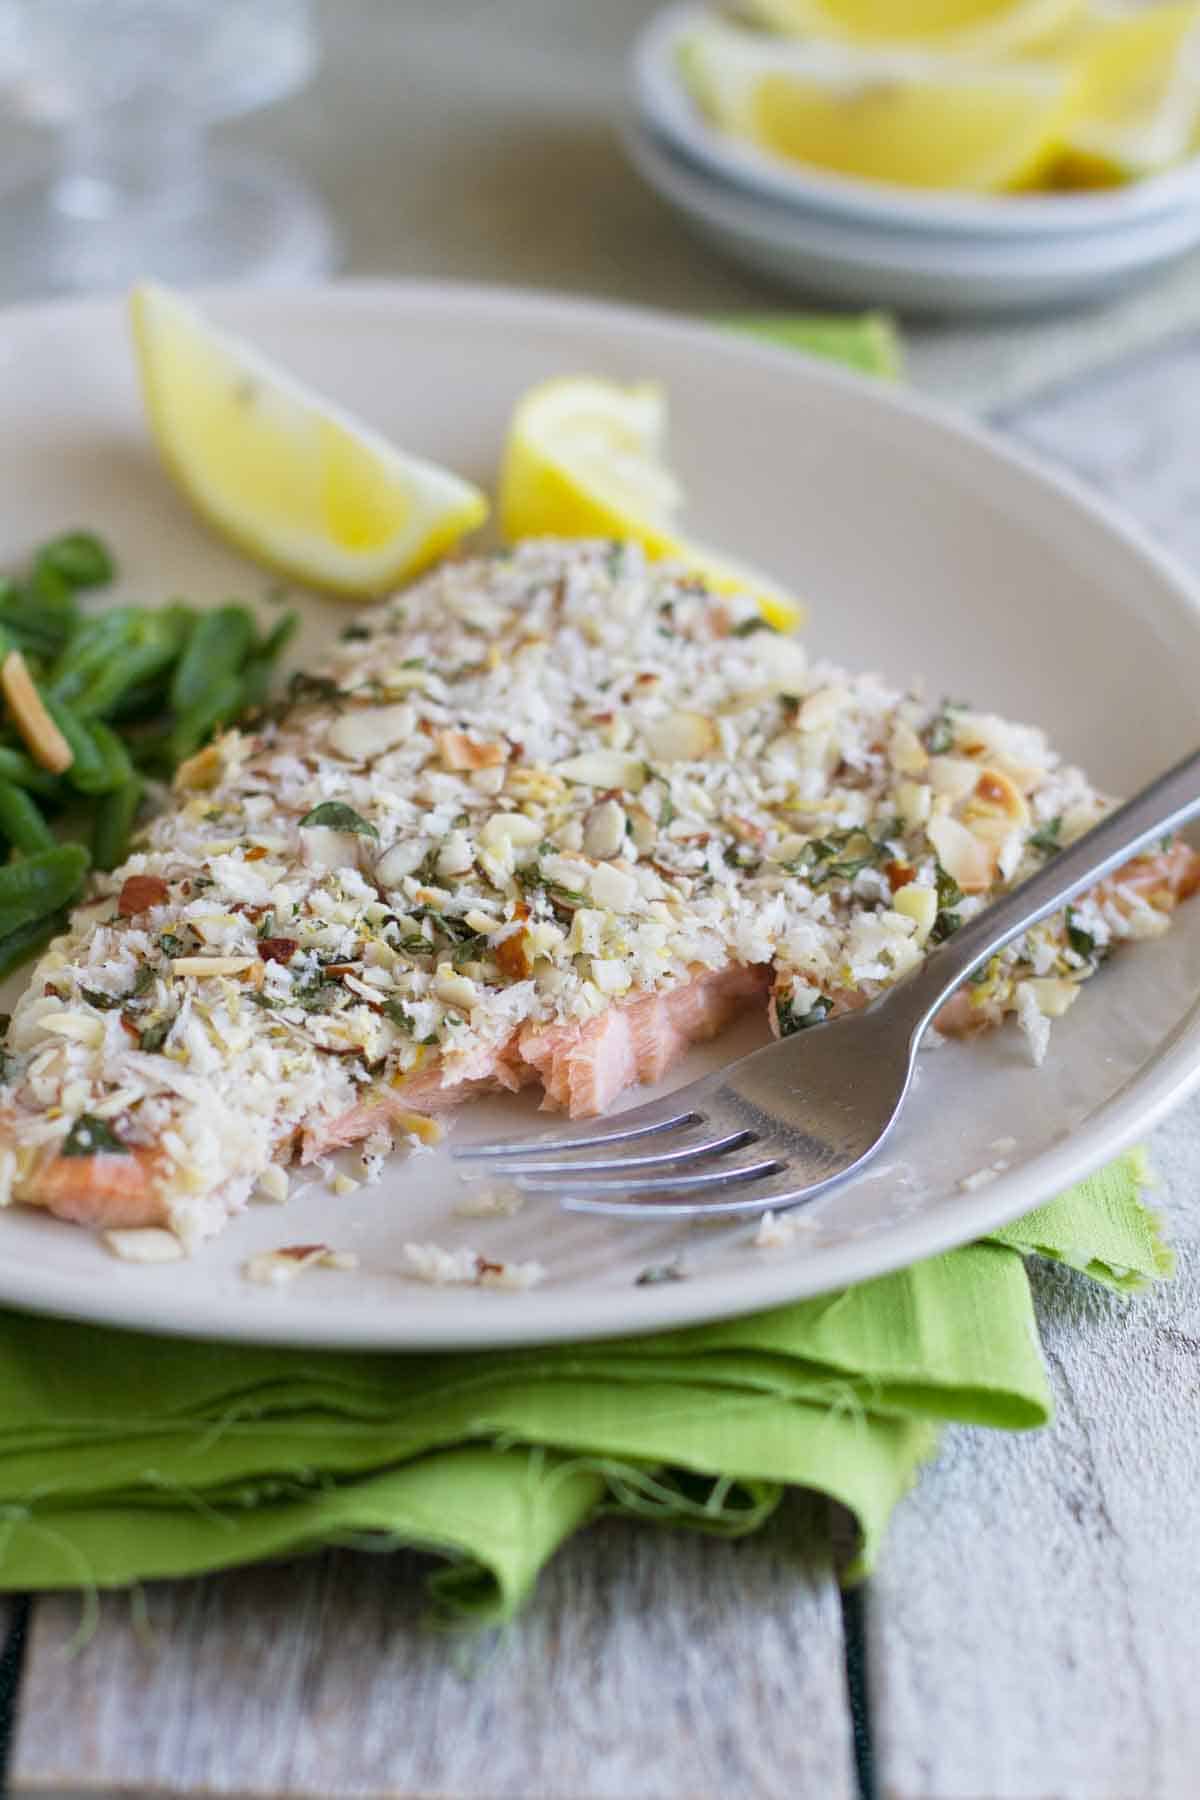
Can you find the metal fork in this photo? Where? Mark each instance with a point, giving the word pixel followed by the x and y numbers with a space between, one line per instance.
pixel 790 1121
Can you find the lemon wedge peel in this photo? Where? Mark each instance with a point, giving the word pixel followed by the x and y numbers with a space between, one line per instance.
pixel 292 480
pixel 1140 106
pixel 896 117
pixel 585 457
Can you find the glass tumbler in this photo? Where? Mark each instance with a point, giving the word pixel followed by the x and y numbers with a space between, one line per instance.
pixel 131 88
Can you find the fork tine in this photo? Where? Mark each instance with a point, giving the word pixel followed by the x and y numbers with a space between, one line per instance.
pixel 567 1169
pixel 671 1121
pixel 565 1182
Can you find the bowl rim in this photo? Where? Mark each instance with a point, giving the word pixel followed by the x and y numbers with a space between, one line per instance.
pixel 662 102
pixel 698 193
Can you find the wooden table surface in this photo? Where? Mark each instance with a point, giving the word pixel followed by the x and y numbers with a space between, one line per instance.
pixel 1033 1629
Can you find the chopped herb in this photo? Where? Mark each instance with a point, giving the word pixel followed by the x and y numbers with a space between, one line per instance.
pixel 839 856
pixel 416 944
pixel 153 1037
pixel 172 944
pixel 336 816
pixel 614 558
pixel 947 921
pixel 791 1021
pixel 565 896
pixel 317 995
pixel 304 689
pixel 471 949
pixel 354 634
pixel 266 925
pixel 88 1136
pixel 742 856
pixel 142 981
pixel 102 1002
pixel 1081 941
pixel 656 1272
pixel 748 627
pixel 413 662
pixel 940 733
pixel 1046 838
pixel 398 1013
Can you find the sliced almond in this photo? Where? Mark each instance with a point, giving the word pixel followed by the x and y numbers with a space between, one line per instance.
pixel 510 828
pixel 44 741
pixel 643 829
pixel 996 795
pixel 965 858
pixel 514 954
pixel 400 859
pixel 460 752
pixel 202 771
pixel 610 975
pixel 323 848
pixel 1053 994
pixel 604 830
pixel 914 802
pixel 784 662
pixel 456 855
pixel 605 769
pixel 681 737
pixel 144 1244
pixel 906 753
pixel 366 731
pixel 613 888
pixel 953 777
pixel 920 905
pixel 205 966
pixel 822 709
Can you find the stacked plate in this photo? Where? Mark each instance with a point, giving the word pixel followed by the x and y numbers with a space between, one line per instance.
pixel 865 242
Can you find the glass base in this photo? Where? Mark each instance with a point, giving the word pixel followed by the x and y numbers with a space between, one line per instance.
pixel 243 218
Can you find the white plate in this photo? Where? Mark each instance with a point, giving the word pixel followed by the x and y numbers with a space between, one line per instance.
pixel 923 545
pixel 666 105
pixel 845 259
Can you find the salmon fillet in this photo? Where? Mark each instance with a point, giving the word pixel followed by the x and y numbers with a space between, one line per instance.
pixel 547 818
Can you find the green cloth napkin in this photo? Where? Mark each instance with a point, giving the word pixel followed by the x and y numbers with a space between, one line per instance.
pixel 124 1457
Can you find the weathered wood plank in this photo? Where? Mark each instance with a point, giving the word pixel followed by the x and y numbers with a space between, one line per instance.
pixel 1035 1627
pixel 650 1666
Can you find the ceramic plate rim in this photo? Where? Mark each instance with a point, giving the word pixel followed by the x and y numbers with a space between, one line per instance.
pixel 664 105
pixel 543 1316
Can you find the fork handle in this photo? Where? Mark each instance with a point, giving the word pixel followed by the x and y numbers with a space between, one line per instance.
pixel 1159 809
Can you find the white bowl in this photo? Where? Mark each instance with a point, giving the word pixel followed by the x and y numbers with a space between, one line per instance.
pixel 845 259
pixel 665 106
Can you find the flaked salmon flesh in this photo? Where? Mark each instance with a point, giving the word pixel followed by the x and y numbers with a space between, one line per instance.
pixel 550 819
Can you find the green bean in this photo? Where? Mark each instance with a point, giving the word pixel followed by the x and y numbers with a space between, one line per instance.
pixel 92 648
pixel 256 680
pixel 16 767
pixel 113 822
pixel 194 724
pixel 157 641
pixel 39 884
pixel 141 701
pixel 217 647
pixel 21 822
pixel 10 592
pixel 44 633
pixel 80 557
pixel 117 767
pixel 16 947
pixel 47 587
pixel 90 771
pixel 279 637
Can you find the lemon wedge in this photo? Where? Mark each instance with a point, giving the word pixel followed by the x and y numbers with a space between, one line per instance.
pixel 586 458
pixel 961 27
pixel 286 476
pixel 897 117
pixel 1140 106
